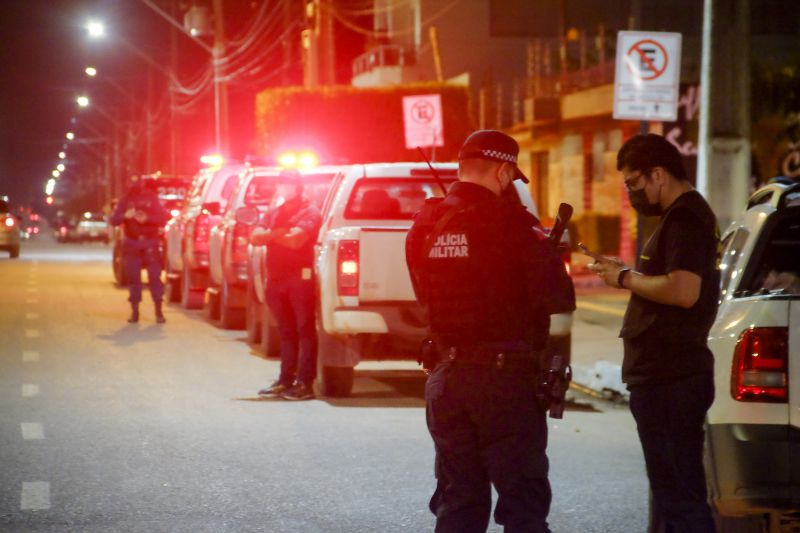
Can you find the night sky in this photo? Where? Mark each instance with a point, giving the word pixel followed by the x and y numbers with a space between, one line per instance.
pixel 41 69
pixel 44 49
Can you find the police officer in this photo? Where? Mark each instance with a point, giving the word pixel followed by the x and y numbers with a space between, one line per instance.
pixel 667 364
pixel 142 216
pixel 290 232
pixel 489 280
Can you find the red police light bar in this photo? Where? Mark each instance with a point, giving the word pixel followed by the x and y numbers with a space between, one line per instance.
pixel 212 160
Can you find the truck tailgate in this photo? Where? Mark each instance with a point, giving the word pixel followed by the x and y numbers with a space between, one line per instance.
pixel 383 272
pixel 794 363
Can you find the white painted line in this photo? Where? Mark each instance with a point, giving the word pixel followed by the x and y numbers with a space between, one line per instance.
pixel 31 316
pixel 35 496
pixel 30 356
pixel 32 431
pixel 32 301
pixel 32 333
pixel 30 390
pixel 601 308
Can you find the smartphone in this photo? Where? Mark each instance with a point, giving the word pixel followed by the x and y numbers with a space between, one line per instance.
pixel 588 252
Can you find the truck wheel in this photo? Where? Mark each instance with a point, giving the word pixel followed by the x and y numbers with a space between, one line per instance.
pixel 212 305
pixel 119 266
pixel 252 316
pixel 231 317
pixel 336 381
pixel 190 298
pixel 173 289
pixel 270 340
pixel 13 253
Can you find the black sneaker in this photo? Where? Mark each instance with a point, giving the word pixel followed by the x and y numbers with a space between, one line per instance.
pixel 273 390
pixel 299 392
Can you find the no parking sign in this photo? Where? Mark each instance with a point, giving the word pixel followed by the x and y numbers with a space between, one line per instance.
pixel 648 75
pixel 422 117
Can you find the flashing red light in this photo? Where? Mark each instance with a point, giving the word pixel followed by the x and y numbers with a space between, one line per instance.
pixel 303 159
pixel 760 370
pixel 212 160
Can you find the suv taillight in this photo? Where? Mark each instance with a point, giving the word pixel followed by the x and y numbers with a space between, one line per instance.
pixel 347 268
pixel 566 256
pixel 202 230
pixel 760 366
pixel 241 238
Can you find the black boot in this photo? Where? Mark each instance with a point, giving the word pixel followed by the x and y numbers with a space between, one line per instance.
pixel 134 314
pixel 159 314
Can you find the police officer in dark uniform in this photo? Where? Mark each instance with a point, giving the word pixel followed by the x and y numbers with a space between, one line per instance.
pixel 489 279
pixel 667 364
pixel 290 233
pixel 142 216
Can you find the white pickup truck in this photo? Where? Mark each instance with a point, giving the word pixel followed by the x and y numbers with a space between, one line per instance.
pixel 365 297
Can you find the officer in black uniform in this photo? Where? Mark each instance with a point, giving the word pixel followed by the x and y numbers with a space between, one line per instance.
pixel 667 364
pixel 489 279
pixel 142 216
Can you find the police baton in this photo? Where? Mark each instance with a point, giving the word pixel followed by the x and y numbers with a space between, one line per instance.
pixel 439 181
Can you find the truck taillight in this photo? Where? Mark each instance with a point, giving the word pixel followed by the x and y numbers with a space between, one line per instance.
pixel 347 268
pixel 241 238
pixel 760 366
pixel 202 230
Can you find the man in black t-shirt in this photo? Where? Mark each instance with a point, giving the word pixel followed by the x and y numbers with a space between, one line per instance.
pixel 667 365
pixel 289 233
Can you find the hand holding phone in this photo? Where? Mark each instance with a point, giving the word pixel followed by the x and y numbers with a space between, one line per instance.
pixel 593 255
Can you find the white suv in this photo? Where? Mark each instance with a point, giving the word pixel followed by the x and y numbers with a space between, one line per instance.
pixel 753 427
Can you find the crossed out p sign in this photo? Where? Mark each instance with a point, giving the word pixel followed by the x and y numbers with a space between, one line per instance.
pixel 647 78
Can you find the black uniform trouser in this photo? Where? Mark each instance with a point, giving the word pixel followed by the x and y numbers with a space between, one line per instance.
pixel 488 429
pixel 138 253
pixel 291 302
pixel 669 417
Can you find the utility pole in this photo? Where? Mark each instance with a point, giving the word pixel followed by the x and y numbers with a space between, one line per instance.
pixel 221 88
pixel 723 175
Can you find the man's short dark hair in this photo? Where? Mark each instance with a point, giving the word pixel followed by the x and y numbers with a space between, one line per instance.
pixel 644 152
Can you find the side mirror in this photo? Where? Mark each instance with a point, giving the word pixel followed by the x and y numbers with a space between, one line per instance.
pixel 212 208
pixel 247 215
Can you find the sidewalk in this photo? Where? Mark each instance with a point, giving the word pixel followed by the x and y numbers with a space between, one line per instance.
pixel 596 347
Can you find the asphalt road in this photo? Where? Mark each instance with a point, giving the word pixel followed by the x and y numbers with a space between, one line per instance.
pixel 106 426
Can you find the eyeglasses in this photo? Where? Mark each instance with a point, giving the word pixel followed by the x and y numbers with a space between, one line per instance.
pixel 631 181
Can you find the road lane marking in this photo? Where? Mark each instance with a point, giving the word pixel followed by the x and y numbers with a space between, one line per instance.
pixel 601 308
pixel 32 333
pixel 35 496
pixel 31 316
pixel 30 356
pixel 32 430
pixel 29 390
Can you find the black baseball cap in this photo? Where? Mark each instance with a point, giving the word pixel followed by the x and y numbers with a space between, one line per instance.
pixel 493 145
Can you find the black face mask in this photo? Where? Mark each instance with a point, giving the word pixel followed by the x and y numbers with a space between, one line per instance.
pixel 639 202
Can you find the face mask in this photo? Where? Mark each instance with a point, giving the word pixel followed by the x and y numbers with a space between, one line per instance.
pixel 639 202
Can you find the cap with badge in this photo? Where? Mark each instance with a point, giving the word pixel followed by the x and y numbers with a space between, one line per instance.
pixel 492 145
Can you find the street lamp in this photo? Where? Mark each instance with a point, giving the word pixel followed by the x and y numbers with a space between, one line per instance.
pixel 60 167
pixel 82 101
pixel 96 29
pixel 90 71
pixel 62 155
pixel 55 173
pixel 70 136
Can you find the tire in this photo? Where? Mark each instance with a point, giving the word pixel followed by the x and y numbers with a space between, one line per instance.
pixel 120 275
pixel 336 381
pixel 212 306
pixel 13 253
pixel 252 316
pixel 230 317
pixel 173 289
pixel 190 298
pixel 270 339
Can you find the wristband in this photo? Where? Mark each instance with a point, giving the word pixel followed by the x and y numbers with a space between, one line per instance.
pixel 621 277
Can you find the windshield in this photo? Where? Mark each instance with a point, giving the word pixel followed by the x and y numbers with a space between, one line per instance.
pixel 777 258
pixel 315 187
pixel 391 198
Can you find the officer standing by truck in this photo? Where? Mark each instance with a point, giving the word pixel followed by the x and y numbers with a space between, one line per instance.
pixel 489 280
pixel 142 216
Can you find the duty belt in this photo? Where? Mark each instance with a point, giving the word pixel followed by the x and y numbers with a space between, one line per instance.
pixel 497 358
